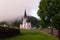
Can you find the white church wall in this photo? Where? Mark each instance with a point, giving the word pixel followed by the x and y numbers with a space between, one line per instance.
pixel 26 25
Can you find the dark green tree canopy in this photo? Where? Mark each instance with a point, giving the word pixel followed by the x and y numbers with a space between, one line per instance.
pixel 34 21
pixel 48 9
pixel 16 23
pixel 3 22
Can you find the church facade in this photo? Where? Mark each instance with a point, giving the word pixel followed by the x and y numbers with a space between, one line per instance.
pixel 26 24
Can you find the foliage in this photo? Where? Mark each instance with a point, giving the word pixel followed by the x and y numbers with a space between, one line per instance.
pixel 16 23
pixel 34 21
pixel 49 12
pixel 3 22
pixel 8 32
pixel 56 22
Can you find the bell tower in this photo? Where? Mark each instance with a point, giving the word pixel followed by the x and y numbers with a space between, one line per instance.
pixel 24 19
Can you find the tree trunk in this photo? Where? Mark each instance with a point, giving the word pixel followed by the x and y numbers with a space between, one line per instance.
pixel 51 30
pixel 59 34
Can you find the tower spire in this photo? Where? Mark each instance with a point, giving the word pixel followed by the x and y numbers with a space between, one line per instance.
pixel 25 15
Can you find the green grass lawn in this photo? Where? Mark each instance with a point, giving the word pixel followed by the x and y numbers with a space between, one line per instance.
pixel 32 35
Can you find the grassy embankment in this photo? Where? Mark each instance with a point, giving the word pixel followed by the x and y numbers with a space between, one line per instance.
pixel 32 35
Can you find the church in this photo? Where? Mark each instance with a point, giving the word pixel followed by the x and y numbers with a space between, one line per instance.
pixel 26 24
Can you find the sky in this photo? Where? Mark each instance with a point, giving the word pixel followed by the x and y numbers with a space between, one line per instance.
pixel 11 9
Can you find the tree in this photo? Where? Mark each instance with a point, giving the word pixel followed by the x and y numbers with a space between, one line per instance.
pixel 34 21
pixel 48 12
pixel 56 24
pixel 3 22
pixel 16 23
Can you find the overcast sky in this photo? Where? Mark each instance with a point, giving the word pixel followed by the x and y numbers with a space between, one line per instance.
pixel 10 9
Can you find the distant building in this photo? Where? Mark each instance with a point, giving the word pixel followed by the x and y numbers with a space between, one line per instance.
pixel 26 24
